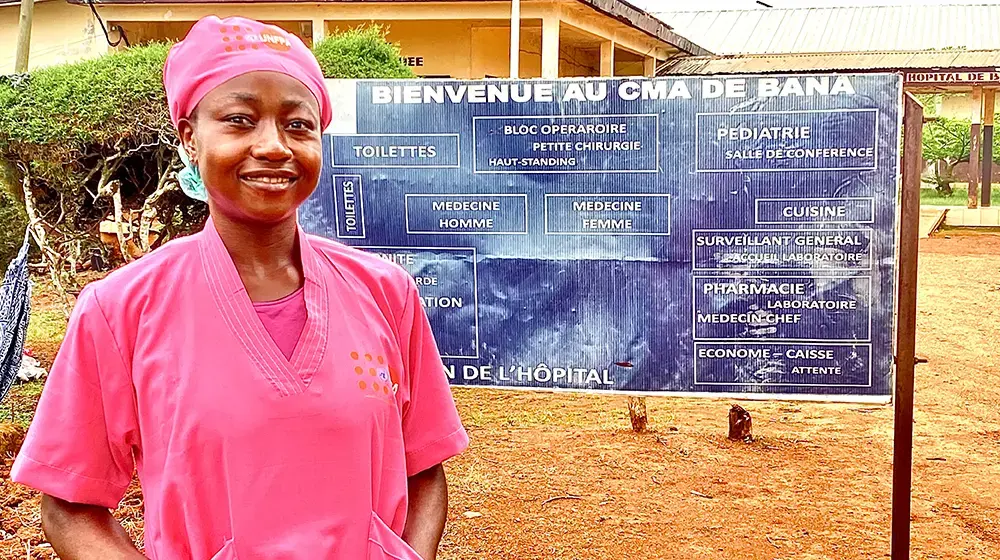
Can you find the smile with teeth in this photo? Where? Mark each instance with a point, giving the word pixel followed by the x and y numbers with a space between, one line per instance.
pixel 268 182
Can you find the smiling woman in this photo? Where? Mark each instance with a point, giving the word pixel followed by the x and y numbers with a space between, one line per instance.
pixel 256 142
pixel 279 395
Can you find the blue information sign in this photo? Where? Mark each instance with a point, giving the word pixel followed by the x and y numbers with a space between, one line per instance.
pixel 689 235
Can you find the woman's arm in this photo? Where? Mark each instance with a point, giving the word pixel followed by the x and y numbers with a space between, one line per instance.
pixel 85 532
pixel 427 511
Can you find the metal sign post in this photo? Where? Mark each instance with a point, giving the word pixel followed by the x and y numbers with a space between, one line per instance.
pixel 906 329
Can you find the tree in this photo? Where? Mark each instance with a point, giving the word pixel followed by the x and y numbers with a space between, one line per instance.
pixel 946 142
pixel 931 103
pixel 83 142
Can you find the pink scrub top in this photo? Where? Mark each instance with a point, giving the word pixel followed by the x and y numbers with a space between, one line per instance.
pixel 166 369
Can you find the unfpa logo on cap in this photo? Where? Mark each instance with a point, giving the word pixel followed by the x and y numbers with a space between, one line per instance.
pixel 242 38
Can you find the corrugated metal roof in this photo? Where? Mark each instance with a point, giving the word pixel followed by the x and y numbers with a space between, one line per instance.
pixel 646 22
pixel 753 64
pixel 849 29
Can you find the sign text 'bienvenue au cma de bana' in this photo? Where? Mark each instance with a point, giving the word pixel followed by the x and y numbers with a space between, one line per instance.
pixel 690 235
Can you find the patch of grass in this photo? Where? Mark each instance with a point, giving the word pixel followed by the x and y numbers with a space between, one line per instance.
pixel 959 197
pixel 31 389
pixel 19 405
pixel 46 326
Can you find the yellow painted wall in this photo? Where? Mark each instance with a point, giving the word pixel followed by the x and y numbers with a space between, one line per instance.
pixel 629 68
pixel 491 48
pixel 958 106
pixel 446 46
pixel 578 62
pixel 476 49
pixel 450 46
pixel 491 51
pixel 572 11
pixel 61 33
pixel 143 32
pixel 530 65
pixel 487 42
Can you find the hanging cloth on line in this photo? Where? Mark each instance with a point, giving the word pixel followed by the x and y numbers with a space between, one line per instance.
pixel 15 307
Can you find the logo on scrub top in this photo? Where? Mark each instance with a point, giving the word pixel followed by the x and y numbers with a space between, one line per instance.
pixel 375 375
pixel 242 38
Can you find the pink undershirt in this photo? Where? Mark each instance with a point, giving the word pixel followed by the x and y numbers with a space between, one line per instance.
pixel 284 320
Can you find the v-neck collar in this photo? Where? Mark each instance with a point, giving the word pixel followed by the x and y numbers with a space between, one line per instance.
pixel 288 377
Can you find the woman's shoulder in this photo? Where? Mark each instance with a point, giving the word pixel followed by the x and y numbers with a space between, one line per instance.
pixel 360 263
pixel 161 267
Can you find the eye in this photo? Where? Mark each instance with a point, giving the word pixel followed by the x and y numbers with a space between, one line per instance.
pixel 300 124
pixel 240 120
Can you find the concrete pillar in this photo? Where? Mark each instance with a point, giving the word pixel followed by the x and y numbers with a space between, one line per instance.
pixel 989 107
pixel 974 145
pixel 319 30
pixel 550 47
pixel 649 67
pixel 607 58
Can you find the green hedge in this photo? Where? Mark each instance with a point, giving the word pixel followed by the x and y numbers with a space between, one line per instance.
pixel 73 123
pixel 361 53
pixel 70 109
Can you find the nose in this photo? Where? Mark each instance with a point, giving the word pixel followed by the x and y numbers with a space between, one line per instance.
pixel 270 144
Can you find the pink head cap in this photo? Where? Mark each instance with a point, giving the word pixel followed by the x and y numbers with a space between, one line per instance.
pixel 218 50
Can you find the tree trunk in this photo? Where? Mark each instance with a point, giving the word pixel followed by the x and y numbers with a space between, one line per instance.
pixel 115 188
pixel 150 210
pixel 740 424
pixel 948 178
pixel 50 255
pixel 637 413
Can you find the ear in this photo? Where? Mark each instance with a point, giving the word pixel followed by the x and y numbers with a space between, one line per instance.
pixel 185 132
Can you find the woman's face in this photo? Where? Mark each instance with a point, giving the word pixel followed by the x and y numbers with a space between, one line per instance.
pixel 257 143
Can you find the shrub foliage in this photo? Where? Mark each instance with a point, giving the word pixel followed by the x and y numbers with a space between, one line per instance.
pixel 360 53
pixel 91 142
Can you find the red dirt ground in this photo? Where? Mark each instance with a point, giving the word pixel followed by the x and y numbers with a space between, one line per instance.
pixel 561 476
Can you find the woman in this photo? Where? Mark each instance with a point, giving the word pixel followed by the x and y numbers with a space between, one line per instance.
pixel 280 395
